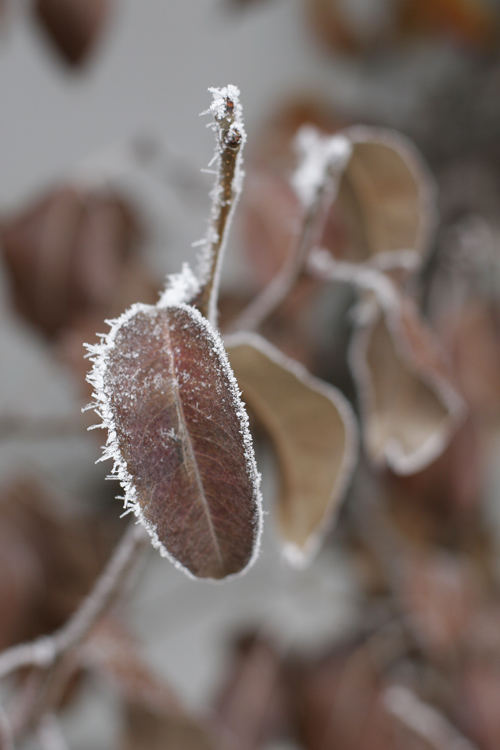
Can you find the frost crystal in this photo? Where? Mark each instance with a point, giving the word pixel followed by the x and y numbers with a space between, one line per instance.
pixel 181 288
pixel 318 155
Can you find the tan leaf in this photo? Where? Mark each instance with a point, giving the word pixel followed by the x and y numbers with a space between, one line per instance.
pixel 410 407
pixel 314 434
pixel 385 205
pixel 177 433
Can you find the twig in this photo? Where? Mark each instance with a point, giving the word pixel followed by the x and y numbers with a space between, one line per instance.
pixel 424 720
pixel 230 131
pixel 316 180
pixel 322 265
pixel 45 651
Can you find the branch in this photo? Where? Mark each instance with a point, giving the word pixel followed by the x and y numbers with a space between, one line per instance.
pixel 231 136
pixel 323 266
pixel 424 720
pixel 316 180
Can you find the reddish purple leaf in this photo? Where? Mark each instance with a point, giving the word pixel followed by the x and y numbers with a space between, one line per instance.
pixel 179 438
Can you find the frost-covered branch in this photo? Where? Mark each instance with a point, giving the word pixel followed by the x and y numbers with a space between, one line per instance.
pixel 316 180
pixel 230 133
pixel 323 266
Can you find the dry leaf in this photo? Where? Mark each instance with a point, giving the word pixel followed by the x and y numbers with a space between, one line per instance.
pixel 385 208
pixel 313 430
pixel 148 730
pixel 410 408
pixel 47 562
pixel 73 254
pixel 339 704
pixel 73 26
pixel 372 25
pixel 251 708
pixel 441 593
pixel 177 433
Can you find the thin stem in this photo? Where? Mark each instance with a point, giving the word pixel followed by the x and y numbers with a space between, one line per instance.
pixel 316 213
pixel 45 651
pixel 424 720
pixel 230 132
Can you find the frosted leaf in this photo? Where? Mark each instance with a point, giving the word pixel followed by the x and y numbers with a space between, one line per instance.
pixel 178 436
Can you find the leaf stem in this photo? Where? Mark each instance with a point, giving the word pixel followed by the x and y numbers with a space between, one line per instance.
pixel 230 133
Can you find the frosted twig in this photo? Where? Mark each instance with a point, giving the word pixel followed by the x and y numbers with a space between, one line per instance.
pixel 424 720
pixel 323 266
pixel 230 132
pixel 316 182
pixel 48 652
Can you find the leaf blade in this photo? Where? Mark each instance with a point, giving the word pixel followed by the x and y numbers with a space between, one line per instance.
pixel 314 433
pixel 178 435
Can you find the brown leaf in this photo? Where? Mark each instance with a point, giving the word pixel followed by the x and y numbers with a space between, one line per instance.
pixel 48 562
pixel 441 594
pixel 147 730
pixel 410 407
pixel 472 22
pixel 478 701
pixel 73 254
pixel 339 704
pixel 73 26
pixel 385 204
pixel 178 435
pixel 313 430
pixel 251 707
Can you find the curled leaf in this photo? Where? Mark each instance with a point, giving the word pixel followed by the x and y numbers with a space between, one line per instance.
pixel 177 432
pixel 313 431
pixel 384 212
pixel 410 407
